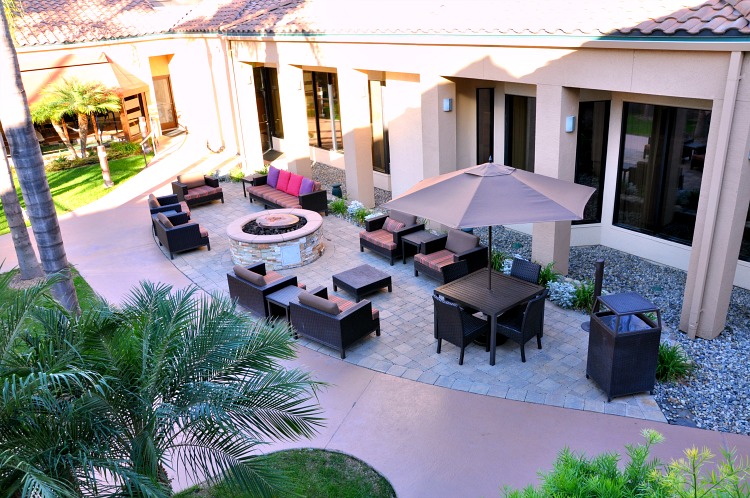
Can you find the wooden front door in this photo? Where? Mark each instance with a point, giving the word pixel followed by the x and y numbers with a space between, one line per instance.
pixel 165 102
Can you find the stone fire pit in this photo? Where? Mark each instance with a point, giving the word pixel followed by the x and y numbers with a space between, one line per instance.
pixel 291 249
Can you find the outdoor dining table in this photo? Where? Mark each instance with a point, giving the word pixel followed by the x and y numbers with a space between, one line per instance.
pixel 472 291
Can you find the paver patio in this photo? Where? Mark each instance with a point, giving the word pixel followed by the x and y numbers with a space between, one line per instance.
pixel 554 375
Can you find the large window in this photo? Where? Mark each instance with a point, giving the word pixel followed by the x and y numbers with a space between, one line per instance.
pixel 520 124
pixel 381 160
pixel 323 116
pixel 661 168
pixel 269 105
pixel 591 154
pixel 485 124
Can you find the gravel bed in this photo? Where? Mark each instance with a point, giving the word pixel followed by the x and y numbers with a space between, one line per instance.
pixel 717 395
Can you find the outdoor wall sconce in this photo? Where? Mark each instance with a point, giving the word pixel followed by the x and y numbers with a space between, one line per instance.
pixel 447 105
pixel 570 124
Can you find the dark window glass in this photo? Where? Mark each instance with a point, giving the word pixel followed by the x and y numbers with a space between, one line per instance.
pixel 591 154
pixel 485 124
pixel 661 167
pixel 323 116
pixel 380 154
pixel 745 247
pixel 268 104
pixel 520 124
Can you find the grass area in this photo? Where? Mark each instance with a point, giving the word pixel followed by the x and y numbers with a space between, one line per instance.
pixel 76 187
pixel 84 291
pixel 316 474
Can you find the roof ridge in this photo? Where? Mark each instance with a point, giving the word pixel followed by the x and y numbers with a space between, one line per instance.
pixel 243 18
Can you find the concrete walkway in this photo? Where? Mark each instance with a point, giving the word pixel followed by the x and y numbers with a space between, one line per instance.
pixel 426 439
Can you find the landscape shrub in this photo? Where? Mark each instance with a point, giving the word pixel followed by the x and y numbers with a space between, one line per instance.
pixel 548 274
pixel 673 363
pixel 337 206
pixel 583 298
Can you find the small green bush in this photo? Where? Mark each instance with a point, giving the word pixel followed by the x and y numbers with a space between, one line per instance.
pixel 360 214
pixel 497 259
pixel 548 274
pixel 673 363
pixel 584 297
pixel 123 149
pixel 236 174
pixel 337 206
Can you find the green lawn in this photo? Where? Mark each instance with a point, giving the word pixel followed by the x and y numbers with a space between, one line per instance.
pixel 76 187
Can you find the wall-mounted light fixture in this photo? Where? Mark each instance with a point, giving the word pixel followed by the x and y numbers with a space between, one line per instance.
pixel 447 105
pixel 570 124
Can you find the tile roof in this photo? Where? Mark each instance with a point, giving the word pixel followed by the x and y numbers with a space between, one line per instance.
pixel 70 21
pixel 597 18
pixel 49 22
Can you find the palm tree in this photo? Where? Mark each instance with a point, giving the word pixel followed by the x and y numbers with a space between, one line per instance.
pixel 27 159
pixel 199 387
pixel 81 99
pixel 42 111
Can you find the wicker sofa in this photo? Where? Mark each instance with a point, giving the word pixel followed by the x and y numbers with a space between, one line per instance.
pixel 251 284
pixel 382 234
pixel 332 320
pixel 282 189
pixel 196 189
pixel 177 234
pixel 436 257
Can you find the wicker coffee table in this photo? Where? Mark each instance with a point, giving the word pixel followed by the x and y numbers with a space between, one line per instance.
pixel 362 280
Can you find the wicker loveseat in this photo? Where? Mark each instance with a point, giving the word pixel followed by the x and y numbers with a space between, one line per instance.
pixel 332 320
pixel 195 189
pixel 178 234
pixel 436 256
pixel 282 189
pixel 382 234
pixel 250 285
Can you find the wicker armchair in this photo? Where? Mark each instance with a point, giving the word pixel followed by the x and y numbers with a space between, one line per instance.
pixel 456 326
pixel 521 325
pixel 197 189
pixel 382 234
pixel 250 285
pixel 339 326
pixel 166 203
pixel 178 234
pixel 525 270
pixel 437 258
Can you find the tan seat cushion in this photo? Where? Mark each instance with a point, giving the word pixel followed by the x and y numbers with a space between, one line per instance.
pixel 459 241
pixel 192 180
pixel 250 276
pixel 407 219
pixel 164 220
pixel 318 303
pixel 152 202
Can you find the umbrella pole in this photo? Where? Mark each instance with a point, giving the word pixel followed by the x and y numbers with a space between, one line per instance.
pixel 489 259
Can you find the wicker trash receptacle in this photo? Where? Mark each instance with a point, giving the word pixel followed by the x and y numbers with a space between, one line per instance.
pixel 623 344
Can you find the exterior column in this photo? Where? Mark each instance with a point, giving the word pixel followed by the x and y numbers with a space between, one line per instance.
pixel 438 126
pixel 722 209
pixel 294 115
pixel 251 150
pixel 555 153
pixel 357 135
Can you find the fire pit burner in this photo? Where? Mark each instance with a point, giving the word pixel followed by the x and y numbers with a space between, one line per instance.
pixel 282 220
pixel 274 224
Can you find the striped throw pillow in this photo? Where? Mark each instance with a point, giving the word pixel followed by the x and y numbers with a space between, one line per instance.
pixel 392 225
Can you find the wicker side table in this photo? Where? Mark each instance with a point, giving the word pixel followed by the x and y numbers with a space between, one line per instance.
pixel 623 344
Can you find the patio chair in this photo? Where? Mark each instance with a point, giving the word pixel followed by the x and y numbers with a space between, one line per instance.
pixel 177 234
pixel 456 325
pixel 195 189
pixel 250 285
pixel 166 203
pixel 332 320
pixel 437 257
pixel 522 326
pixel 382 234
pixel 525 270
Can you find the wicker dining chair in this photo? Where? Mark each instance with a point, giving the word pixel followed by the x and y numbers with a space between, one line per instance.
pixel 525 270
pixel 520 327
pixel 456 326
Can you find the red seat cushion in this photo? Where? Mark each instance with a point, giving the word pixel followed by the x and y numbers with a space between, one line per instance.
pixel 295 182
pixel 435 260
pixel 345 304
pixel 380 238
pixel 283 182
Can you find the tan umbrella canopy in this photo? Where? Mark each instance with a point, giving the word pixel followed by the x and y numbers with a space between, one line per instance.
pixel 493 194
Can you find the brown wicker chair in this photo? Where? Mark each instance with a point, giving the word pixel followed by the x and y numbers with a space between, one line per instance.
pixel 382 234
pixel 525 270
pixel 166 203
pixel 521 325
pixel 456 326
pixel 178 234
pixel 252 295
pixel 437 258
pixel 197 189
pixel 315 318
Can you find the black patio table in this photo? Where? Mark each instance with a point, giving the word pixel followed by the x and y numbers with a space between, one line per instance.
pixel 472 291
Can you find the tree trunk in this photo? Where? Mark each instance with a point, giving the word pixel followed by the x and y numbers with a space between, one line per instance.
pixel 95 127
pixel 27 157
pixel 62 131
pixel 83 133
pixel 28 263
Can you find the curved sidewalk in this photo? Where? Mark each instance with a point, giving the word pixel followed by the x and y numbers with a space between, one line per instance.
pixel 427 440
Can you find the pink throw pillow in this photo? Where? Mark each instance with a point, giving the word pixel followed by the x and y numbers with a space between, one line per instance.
pixel 283 180
pixel 295 182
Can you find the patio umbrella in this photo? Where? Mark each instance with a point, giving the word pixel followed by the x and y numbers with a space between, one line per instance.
pixel 493 194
